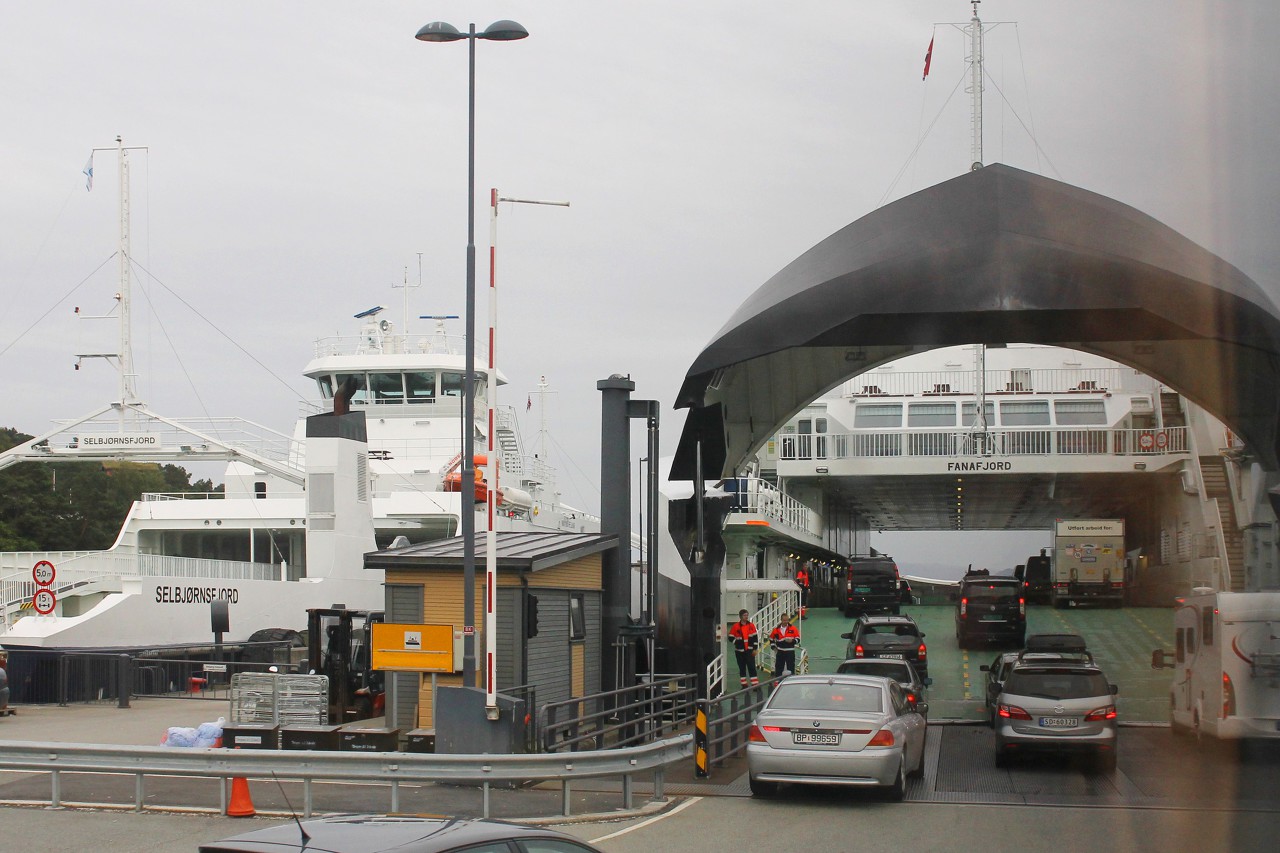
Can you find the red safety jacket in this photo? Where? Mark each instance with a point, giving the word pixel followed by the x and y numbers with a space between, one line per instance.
pixel 785 639
pixel 745 637
pixel 802 578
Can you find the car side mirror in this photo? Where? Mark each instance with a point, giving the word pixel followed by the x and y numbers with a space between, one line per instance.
pixel 1115 690
pixel 928 681
pixel 1160 659
pixel 922 635
pixel 848 635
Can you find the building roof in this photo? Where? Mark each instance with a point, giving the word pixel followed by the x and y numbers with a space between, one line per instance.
pixel 529 551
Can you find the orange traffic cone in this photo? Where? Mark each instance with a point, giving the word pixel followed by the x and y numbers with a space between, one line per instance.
pixel 241 803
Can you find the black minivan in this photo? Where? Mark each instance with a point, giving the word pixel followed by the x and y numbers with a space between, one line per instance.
pixel 1036 582
pixel 990 609
pixel 871 586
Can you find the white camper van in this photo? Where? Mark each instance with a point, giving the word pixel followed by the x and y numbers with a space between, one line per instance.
pixel 1226 664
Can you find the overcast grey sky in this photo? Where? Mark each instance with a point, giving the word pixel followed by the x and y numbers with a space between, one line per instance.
pixel 301 155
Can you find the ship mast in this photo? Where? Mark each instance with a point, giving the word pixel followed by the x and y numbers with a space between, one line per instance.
pixel 974 87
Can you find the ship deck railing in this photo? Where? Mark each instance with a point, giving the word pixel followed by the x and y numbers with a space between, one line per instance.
pixel 1039 381
pixel 1040 441
pixel 755 496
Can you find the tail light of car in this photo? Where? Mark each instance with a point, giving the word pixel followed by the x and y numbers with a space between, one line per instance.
pixel 964 606
pixel 1098 714
pixel 756 733
pixel 922 653
pixel 911 698
pixel 1228 696
pixel 884 737
pixel 1013 712
pixel 859 651
pixel 1022 607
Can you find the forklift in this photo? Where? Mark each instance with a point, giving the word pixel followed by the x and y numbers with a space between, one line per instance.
pixel 339 645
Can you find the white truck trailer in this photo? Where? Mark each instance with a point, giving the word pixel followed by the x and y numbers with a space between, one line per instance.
pixel 1226 664
pixel 1088 562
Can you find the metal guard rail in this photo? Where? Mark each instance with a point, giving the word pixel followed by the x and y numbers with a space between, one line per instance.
pixel 390 768
pixel 625 716
pixel 729 718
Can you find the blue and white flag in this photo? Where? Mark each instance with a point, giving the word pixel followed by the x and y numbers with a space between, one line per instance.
pixel 88 174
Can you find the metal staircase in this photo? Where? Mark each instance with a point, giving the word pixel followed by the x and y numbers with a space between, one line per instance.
pixel 1216 486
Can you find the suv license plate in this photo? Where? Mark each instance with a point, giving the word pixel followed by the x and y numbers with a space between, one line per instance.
pixel 862 590
pixel 1059 722
pixel 891 656
pixel 822 738
pixel 992 619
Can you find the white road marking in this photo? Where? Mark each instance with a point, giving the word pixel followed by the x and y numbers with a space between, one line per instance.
pixel 653 819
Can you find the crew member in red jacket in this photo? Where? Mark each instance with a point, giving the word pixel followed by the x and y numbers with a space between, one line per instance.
pixel 746 643
pixel 784 640
pixel 802 578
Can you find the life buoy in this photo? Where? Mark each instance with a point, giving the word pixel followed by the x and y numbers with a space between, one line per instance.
pixel 1146 440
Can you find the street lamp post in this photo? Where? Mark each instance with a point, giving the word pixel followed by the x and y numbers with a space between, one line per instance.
pixel 438 31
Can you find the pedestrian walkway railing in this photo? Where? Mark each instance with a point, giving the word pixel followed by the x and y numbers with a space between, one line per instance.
pixel 391 769
pixel 619 718
pixel 724 723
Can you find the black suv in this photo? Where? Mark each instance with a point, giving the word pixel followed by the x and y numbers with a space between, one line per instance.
pixel 893 637
pixel 990 609
pixel 871 586
pixel 1036 580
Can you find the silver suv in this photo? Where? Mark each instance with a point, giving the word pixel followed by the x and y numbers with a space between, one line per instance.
pixel 1065 706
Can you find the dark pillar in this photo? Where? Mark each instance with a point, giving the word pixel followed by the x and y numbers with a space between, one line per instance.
pixel 615 518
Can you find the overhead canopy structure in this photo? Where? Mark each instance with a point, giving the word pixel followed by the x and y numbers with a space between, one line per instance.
pixel 994 256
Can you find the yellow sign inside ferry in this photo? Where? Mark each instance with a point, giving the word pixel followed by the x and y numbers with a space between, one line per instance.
pixel 413 648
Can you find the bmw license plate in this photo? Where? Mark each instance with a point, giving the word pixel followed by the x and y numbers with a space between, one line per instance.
pixel 893 656
pixel 1059 722
pixel 820 738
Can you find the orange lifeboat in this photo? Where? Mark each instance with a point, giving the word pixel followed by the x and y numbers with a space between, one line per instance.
pixel 453 477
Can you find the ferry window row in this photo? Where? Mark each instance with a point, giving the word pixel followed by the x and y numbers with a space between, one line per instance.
pixel 397 387
pixel 1011 413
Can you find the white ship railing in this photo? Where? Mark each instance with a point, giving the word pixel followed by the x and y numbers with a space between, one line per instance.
pixel 1047 441
pixel 769 617
pixel 373 343
pixel 931 383
pixel 759 497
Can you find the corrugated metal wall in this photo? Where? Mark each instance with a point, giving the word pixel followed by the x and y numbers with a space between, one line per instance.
pixel 404 605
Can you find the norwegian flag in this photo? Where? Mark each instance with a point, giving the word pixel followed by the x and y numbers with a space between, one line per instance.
pixel 928 57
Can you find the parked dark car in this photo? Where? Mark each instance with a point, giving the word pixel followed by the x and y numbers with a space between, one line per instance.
pixel 871 586
pixel 375 833
pixel 990 609
pixel 1037 580
pixel 891 637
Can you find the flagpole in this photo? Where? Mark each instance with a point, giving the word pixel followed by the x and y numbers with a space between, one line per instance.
pixel 491 462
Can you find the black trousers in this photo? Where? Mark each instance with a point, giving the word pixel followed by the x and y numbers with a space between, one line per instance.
pixel 784 660
pixel 746 664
